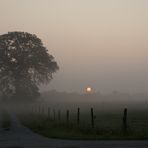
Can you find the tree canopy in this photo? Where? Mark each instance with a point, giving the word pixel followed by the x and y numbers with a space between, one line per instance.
pixel 24 64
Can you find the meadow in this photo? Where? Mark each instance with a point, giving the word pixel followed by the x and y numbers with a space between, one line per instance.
pixel 108 123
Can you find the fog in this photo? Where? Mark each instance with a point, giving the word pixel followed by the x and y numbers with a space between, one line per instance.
pixel 103 104
pixel 73 70
pixel 115 101
pixel 97 43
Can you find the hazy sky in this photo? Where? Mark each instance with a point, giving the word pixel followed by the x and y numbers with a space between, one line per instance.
pixel 101 43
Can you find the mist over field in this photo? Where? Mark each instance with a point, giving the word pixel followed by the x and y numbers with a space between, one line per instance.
pixel 111 101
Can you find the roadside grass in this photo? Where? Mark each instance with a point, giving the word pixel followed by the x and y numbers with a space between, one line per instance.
pixel 107 127
pixel 6 122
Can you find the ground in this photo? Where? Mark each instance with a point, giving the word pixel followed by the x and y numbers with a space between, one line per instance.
pixel 19 136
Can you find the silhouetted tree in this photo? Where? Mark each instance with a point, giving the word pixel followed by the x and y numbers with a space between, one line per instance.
pixel 24 64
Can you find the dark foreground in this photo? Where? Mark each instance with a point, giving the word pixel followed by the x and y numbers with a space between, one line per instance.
pixel 19 136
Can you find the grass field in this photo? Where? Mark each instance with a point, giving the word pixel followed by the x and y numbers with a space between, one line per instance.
pixel 5 120
pixel 108 125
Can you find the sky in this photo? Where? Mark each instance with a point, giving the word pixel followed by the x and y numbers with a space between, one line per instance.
pixel 97 43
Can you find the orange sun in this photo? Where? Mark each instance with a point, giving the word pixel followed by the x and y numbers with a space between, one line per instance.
pixel 88 89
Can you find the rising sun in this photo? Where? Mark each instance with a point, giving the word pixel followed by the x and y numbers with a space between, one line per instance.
pixel 88 89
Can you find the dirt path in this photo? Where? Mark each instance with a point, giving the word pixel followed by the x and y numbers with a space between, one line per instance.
pixel 21 137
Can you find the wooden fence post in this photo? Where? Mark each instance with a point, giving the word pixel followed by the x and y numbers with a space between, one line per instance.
pixel 48 112
pixel 54 115
pixel 78 116
pixel 39 110
pixel 125 120
pixel 59 115
pixel 67 116
pixel 92 118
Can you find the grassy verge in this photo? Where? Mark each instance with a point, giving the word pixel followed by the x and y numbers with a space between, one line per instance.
pixel 6 122
pixel 60 129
